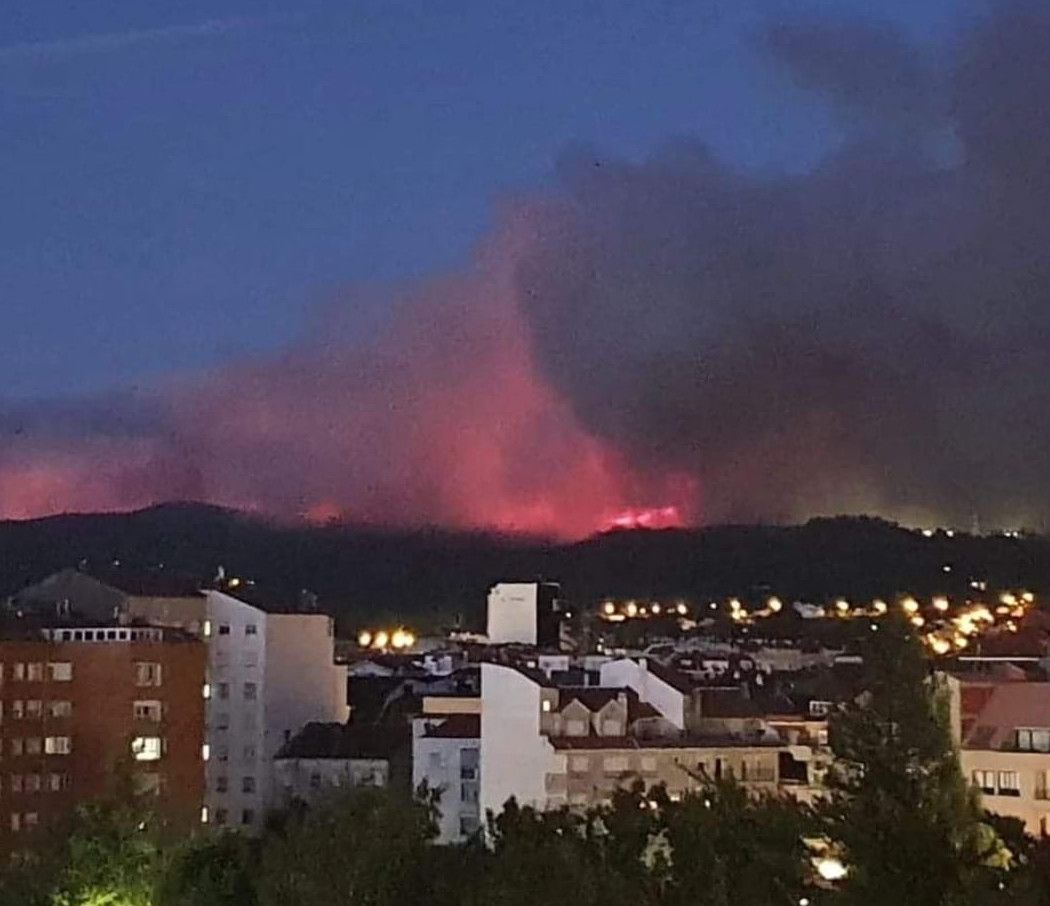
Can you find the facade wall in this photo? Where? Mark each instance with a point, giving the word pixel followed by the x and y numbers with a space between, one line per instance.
pixel 1027 773
pixel 451 766
pixel 593 775
pixel 515 757
pixel 634 675
pixel 313 780
pixel 118 692
pixel 512 612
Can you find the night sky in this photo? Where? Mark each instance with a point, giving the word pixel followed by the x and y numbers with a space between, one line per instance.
pixel 533 266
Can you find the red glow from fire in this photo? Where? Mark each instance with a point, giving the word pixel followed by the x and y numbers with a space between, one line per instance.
pixel 654 518
pixel 445 421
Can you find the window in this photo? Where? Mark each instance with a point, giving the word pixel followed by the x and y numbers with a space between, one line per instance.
pixel 468 825
pixel 16 822
pixel 575 728
pixel 16 746
pixel 204 814
pixel 222 753
pixel 819 708
pixel 614 764
pixel 147 673
pixel 224 629
pixel 579 764
pixel 468 793
pixel 148 784
pixel 206 691
pixel 35 673
pixel 1009 783
pixel 1033 740
pixel 207 629
pixel 985 781
pixel 248 784
pixel 146 748
pixel 250 629
pixel 57 782
pixel 251 692
pixel 546 706
pixel 58 745
pixel 32 783
pixel 33 745
pixel 16 783
pixel 34 709
pixel 30 819
pixel 611 728
pixel 222 784
pixel 205 752
pixel 60 709
pixel 18 671
pixel 315 781
pixel 248 816
pixel 222 721
pixel 60 671
pixel 18 709
pixel 224 690
pixel 221 816
pixel 149 709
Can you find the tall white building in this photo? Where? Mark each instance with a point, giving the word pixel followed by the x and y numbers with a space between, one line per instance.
pixel 446 757
pixel 523 613
pixel 270 671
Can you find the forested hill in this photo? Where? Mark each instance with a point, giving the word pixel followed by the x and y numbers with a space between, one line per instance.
pixel 436 577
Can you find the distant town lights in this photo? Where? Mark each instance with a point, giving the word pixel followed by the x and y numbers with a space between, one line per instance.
pixel 941 603
pixel 631 609
pixel 608 608
pixel 910 605
pixel 775 605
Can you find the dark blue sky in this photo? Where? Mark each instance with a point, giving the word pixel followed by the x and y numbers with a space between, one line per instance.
pixel 182 183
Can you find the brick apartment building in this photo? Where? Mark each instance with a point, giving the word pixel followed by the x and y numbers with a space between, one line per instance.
pixel 81 704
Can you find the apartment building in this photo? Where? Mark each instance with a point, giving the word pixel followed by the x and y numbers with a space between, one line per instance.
pixel 84 706
pixel 270 671
pixel 550 747
pixel 1003 728
pixel 446 757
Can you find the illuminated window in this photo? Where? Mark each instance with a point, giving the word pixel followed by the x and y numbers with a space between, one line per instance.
pixel 18 709
pixel 35 673
pixel 146 748
pixel 1030 739
pixel 207 629
pixel 57 782
pixel 205 752
pixel 206 691
pixel 58 745
pixel 18 671
pixel 546 706
pixel 985 781
pixel 60 672
pixel 204 814
pixel 147 673
pixel 60 709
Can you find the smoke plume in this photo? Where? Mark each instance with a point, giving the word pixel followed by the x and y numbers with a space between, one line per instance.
pixel 668 340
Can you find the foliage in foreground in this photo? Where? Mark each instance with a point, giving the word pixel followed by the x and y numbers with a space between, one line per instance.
pixel 899 816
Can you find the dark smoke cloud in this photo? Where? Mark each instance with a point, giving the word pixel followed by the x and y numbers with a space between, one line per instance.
pixel 675 336
pixel 868 336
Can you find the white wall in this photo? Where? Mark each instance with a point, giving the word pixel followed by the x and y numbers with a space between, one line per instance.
pixel 515 757
pixel 635 675
pixel 437 762
pixel 512 613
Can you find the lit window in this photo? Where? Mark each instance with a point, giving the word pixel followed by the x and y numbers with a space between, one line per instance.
pixel 985 781
pixel 35 673
pixel 546 706
pixel 60 709
pixel 251 691
pixel 206 691
pixel 207 629
pixel 146 748
pixel 1033 740
pixel 60 672
pixel 204 814
pixel 17 709
pixel 57 782
pixel 147 673
pixel 18 671
pixel 205 752
pixel 149 710
pixel 58 745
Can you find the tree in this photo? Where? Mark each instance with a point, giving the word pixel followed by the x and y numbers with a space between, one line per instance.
pixel 370 847
pixel 210 871
pixel 909 825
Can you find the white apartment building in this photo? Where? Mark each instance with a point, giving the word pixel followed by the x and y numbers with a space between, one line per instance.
pixel 523 613
pixel 270 671
pixel 446 757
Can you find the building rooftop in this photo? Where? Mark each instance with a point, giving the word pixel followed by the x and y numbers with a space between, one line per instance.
pixel 343 741
pixel 680 741
pixel 999 709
